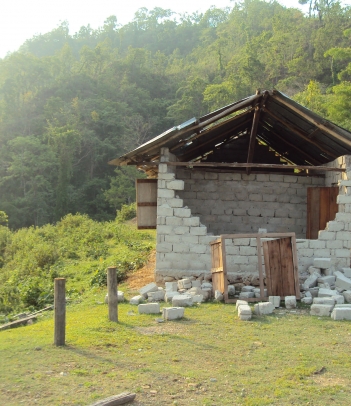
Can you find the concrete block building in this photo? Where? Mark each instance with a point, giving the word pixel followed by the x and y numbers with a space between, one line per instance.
pixel 262 163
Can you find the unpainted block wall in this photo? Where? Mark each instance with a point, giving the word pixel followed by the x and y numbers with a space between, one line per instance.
pixel 183 242
pixel 231 203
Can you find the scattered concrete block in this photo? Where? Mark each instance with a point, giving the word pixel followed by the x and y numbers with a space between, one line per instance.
pixel 263 308
pixel 170 295
pixel 347 295
pixel 151 287
pixel 313 291
pixel 330 280
pixel 219 296
pixel 246 295
pixel 182 301
pixel 311 281
pixel 341 313
pixel 321 310
pixel 347 272
pixel 322 263
pixel 231 290
pixel 328 271
pixel 244 312
pixel 173 313
pixel 342 282
pixel 326 292
pixel 290 302
pixel 339 299
pixel 136 300
pixel 184 283
pixel 158 296
pixel 206 285
pixel 313 270
pixel 239 303
pixel 307 300
pixel 324 300
pixel 247 288
pixel 275 300
pixel 196 284
pixel 197 298
pixel 341 306
pixel 171 286
pixel 120 297
pixel 149 308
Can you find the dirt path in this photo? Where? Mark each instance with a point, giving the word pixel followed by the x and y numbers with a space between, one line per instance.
pixel 144 275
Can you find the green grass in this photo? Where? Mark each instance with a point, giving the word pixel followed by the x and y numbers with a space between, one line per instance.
pixel 208 358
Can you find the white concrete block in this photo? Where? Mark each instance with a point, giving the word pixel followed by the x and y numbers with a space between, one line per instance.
pixel 244 312
pixel 307 300
pixel 156 296
pixel 169 295
pixel 311 281
pixel 171 286
pixel 218 296
pixel 321 310
pixel 167 193
pixel 290 302
pixel 196 284
pixel 326 235
pixel 151 287
pixel 173 313
pixel 175 185
pixel 182 301
pixel 326 292
pixel 149 308
pixel 343 199
pixel 247 288
pixel 324 300
pixel 347 296
pixel 184 283
pixel 197 298
pixel 164 210
pixel 341 313
pixel 198 230
pixel 246 295
pixel 275 300
pixel 347 272
pixel 239 303
pixel 136 300
pixel 263 308
pixel 322 263
pixel 327 279
pixel 164 247
pixel 339 299
pixel 342 282
pixel 182 212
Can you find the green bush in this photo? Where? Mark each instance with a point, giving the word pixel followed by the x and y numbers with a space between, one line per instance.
pixel 127 212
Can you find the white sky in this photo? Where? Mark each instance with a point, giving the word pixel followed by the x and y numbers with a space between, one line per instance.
pixel 22 19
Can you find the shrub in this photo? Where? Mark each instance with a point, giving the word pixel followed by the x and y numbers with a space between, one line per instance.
pixel 127 212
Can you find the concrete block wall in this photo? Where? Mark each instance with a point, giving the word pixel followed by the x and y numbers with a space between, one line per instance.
pixel 230 203
pixel 183 241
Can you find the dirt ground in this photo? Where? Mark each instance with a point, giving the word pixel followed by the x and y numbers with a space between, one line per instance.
pixel 144 275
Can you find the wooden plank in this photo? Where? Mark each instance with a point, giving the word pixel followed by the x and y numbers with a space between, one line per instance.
pixel 296 267
pixel 333 206
pixel 146 198
pixel 260 271
pixel 224 265
pixel 144 204
pixel 146 217
pixel 324 204
pixel 215 270
pixel 267 267
pixel 287 268
pixel 253 134
pixel 312 213
pixel 274 267
pixel 116 400
pixel 17 323
pixel 245 165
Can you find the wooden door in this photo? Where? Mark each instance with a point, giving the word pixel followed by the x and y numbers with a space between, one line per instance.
pixel 146 198
pixel 321 208
pixel 281 273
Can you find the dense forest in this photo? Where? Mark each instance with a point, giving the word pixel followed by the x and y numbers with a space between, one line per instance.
pixel 69 103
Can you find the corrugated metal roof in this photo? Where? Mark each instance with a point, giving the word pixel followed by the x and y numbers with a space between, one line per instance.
pixel 291 130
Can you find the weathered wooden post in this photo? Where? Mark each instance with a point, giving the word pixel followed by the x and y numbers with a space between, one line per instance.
pixel 112 293
pixel 60 311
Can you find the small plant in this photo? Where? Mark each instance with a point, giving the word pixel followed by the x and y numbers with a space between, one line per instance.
pixel 127 212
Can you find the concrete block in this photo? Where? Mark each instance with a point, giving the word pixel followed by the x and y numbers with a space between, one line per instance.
pixel 327 279
pixel 173 313
pixel 247 288
pixel 231 290
pixel 151 287
pixel 175 185
pixel 164 210
pixel 149 308
pixel 184 283
pixel 239 303
pixel 322 310
pixel 171 286
pixel 290 302
pixel 218 296
pixel 164 247
pixel 191 221
pixel 182 212
pixel 347 295
pixel 175 202
pixel 311 281
pixel 167 193
pixel 181 230
pixel 156 296
pixel 206 285
pixel 326 292
pixel 339 299
pixel 322 263
pixel 343 253
pixel 169 295
pixel 136 300
pixel 326 235
pixel 343 199
pixel 263 308
pixel 244 312
pixel 198 298
pixel 342 282
pixel 324 300
pixel 347 272
pixel 246 295
pixel 307 300
pixel 182 301
pixel 174 221
pixel 275 300
pixel 341 313
pixel 198 230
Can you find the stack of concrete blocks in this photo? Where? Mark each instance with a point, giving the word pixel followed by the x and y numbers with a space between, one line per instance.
pixel 244 310
pixel 237 203
pixel 263 308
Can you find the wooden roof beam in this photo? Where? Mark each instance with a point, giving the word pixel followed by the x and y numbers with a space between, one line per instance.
pixel 300 133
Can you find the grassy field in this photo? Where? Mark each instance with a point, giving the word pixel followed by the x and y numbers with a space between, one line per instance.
pixel 208 358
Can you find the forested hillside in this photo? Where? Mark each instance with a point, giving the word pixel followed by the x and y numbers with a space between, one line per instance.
pixel 69 103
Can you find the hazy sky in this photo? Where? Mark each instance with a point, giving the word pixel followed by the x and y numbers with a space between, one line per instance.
pixel 22 19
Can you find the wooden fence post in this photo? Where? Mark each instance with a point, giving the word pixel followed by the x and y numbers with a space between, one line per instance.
pixel 112 293
pixel 60 311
